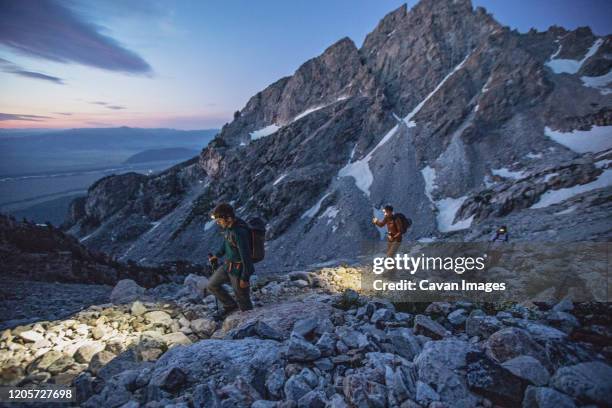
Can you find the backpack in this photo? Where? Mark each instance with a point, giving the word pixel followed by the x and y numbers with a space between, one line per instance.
pixel 257 229
pixel 403 222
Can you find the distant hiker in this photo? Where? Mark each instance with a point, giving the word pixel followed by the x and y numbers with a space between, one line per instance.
pixel 501 235
pixel 499 238
pixel 238 265
pixel 397 225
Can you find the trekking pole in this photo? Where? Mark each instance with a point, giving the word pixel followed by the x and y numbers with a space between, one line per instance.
pixel 213 266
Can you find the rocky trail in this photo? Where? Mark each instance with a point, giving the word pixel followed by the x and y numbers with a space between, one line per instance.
pixel 314 341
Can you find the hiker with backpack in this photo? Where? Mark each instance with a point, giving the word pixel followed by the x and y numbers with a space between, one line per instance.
pixel 397 225
pixel 242 247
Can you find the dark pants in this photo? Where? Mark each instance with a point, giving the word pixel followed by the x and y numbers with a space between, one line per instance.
pixel 392 248
pixel 243 295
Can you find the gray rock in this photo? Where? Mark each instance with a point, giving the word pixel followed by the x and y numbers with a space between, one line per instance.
pixel 196 285
pixel 176 338
pixel 170 379
pixel 482 326
pixel 381 316
pixel 158 317
pixel 264 404
pixel 138 309
pixel 528 368
pixel 275 381
pixel 126 290
pixel 589 382
pixel 203 327
pixel 312 399
pixel 305 327
pixel 326 344
pixel 296 387
pixel 99 360
pixel 31 336
pixel 352 338
pixel 543 397
pixel 404 343
pixel 425 394
pixel 427 327
pixel 87 351
pixel 301 350
pixel 512 342
pixel 488 378
pixel 438 363
pixel 457 317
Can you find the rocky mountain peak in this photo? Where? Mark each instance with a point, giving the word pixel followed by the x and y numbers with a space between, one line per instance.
pixel 440 107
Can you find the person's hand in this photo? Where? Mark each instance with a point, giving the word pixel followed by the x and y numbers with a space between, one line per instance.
pixel 212 258
pixel 374 220
pixel 244 284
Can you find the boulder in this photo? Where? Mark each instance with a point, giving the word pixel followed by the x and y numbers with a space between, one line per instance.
pixel 543 397
pixel 488 378
pixel 512 342
pixel 301 350
pixel 176 338
pixel 99 360
pixel 126 290
pixel 528 368
pixel 296 387
pixel 87 351
pixel 196 285
pixel 218 360
pixel 138 309
pixel 280 316
pixel 158 317
pixel 31 336
pixel 427 327
pixel 457 317
pixel 203 327
pixel 482 326
pixel 588 382
pixel 255 329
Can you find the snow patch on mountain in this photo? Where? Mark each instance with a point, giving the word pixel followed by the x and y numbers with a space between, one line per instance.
pixel 447 209
pixel 582 141
pixel 429 176
pixel 263 132
pixel 312 211
pixel 360 169
pixel 408 118
pixel 330 212
pixel 557 196
pixel 534 155
pixel 506 173
pixel 599 82
pixel 568 66
pixel 279 179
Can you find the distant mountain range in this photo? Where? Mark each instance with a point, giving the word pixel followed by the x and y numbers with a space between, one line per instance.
pixel 38 151
pixel 457 121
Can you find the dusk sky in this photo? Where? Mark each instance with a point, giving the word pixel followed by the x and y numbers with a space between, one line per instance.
pixel 191 64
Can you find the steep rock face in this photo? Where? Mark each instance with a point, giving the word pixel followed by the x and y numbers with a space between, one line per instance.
pixel 440 107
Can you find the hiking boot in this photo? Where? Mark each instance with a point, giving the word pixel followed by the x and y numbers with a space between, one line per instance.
pixel 220 315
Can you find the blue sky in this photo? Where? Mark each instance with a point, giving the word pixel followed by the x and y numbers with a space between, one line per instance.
pixel 189 64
